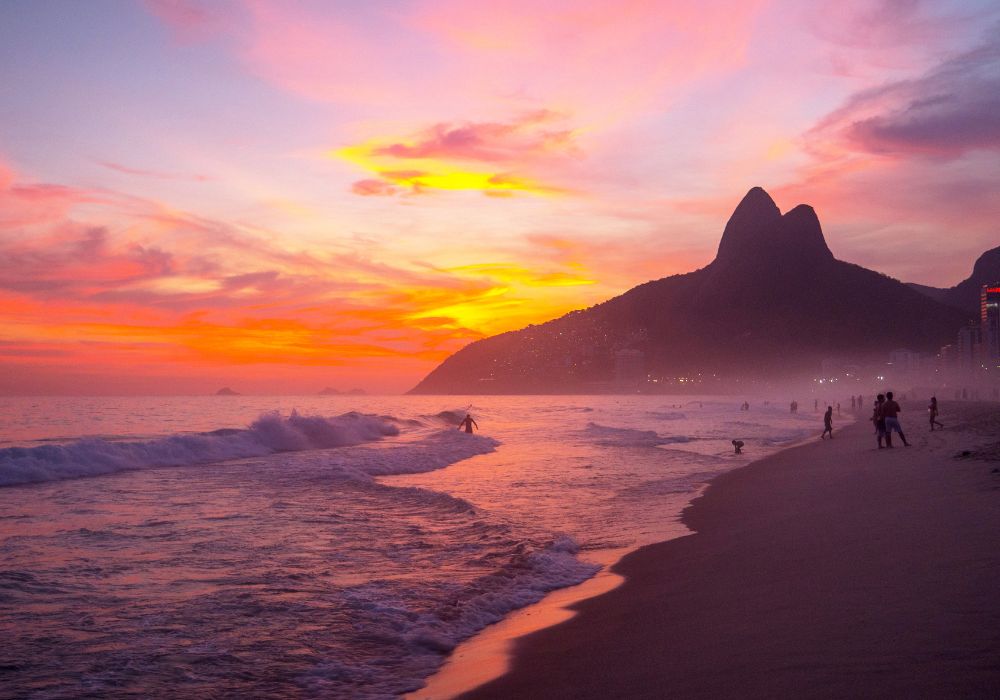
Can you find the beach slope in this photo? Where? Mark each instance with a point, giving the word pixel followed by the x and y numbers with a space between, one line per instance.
pixel 828 570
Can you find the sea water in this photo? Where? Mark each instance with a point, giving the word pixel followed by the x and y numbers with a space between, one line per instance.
pixel 322 546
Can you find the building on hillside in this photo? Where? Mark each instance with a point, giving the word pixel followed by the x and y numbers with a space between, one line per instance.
pixel 989 322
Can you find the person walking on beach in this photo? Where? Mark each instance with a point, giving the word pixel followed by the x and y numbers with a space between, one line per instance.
pixel 827 423
pixel 933 411
pixel 467 423
pixel 879 420
pixel 891 409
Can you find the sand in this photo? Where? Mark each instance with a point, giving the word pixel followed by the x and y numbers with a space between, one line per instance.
pixel 827 570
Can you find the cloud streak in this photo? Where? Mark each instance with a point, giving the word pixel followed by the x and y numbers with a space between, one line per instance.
pixel 219 295
pixel 946 112
pixel 489 157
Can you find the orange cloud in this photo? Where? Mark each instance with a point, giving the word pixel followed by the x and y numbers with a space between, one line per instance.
pixel 489 157
pixel 156 287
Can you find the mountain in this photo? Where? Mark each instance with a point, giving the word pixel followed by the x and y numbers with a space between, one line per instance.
pixel 226 391
pixel 965 294
pixel 774 302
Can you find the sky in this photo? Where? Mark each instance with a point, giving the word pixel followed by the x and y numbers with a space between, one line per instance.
pixel 285 196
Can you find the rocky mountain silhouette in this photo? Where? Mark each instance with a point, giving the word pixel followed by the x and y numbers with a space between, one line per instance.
pixel 965 294
pixel 772 303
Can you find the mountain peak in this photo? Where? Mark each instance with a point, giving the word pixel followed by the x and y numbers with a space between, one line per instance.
pixel 988 266
pixel 755 213
pixel 757 230
pixel 802 235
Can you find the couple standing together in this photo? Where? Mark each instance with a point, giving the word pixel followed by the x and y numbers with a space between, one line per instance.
pixel 886 419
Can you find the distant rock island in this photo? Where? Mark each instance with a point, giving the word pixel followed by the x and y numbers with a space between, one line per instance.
pixel 773 303
pixel 330 391
pixel 226 391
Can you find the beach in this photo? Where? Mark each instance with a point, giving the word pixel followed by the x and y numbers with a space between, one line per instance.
pixel 831 569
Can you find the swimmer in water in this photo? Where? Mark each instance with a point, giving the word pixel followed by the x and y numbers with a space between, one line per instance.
pixel 467 423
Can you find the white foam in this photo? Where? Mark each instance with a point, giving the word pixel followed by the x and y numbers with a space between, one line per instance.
pixel 268 434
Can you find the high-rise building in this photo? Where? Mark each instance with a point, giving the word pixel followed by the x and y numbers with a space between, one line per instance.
pixel 989 321
pixel 968 345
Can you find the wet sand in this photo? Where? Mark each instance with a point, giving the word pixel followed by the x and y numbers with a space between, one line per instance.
pixel 827 570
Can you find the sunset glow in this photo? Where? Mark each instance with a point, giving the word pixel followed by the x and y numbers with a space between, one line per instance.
pixel 281 196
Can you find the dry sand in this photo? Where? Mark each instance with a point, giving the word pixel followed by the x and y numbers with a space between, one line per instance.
pixel 828 570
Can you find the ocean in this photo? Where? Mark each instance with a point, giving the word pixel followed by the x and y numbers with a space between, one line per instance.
pixel 328 546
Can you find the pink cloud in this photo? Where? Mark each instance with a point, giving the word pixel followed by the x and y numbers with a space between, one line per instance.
pixel 517 141
pixel 154 174
pixel 591 58
pixel 947 111
pixel 25 204
pixel 374 188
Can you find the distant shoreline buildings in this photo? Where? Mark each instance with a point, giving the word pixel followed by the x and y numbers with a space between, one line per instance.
pixel 970 366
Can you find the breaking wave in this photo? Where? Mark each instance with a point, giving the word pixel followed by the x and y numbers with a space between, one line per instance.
pixel 629 437
pixel 268 434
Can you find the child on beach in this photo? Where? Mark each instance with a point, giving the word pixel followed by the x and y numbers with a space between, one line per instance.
pixel 933 411
pixel 827 423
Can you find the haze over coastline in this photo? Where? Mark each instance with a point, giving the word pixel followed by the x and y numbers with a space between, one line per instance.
pixel 774 286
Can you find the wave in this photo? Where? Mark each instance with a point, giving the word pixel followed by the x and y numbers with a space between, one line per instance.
pixel 630 437
pixel 523 580
pixel 268 434
pixel 382 612
pixel 449 417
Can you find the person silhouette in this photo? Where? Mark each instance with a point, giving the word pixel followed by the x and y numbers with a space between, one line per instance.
pixel 891 409
pixel 467 423
pixel 933 411
pixel 827 423
pixel 879 420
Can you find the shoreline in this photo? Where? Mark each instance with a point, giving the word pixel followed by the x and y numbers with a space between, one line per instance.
pixel 823 570
pixel 489 654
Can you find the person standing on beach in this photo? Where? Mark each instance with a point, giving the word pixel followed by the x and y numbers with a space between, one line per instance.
pixel 467 423
pixel 891 409
pixel 879 420
pixel 827 423
pixel 933 411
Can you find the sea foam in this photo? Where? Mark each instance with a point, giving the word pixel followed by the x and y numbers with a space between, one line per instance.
pixel 268 434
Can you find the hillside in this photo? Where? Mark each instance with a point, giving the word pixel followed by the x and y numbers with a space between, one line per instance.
pixel 772 303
